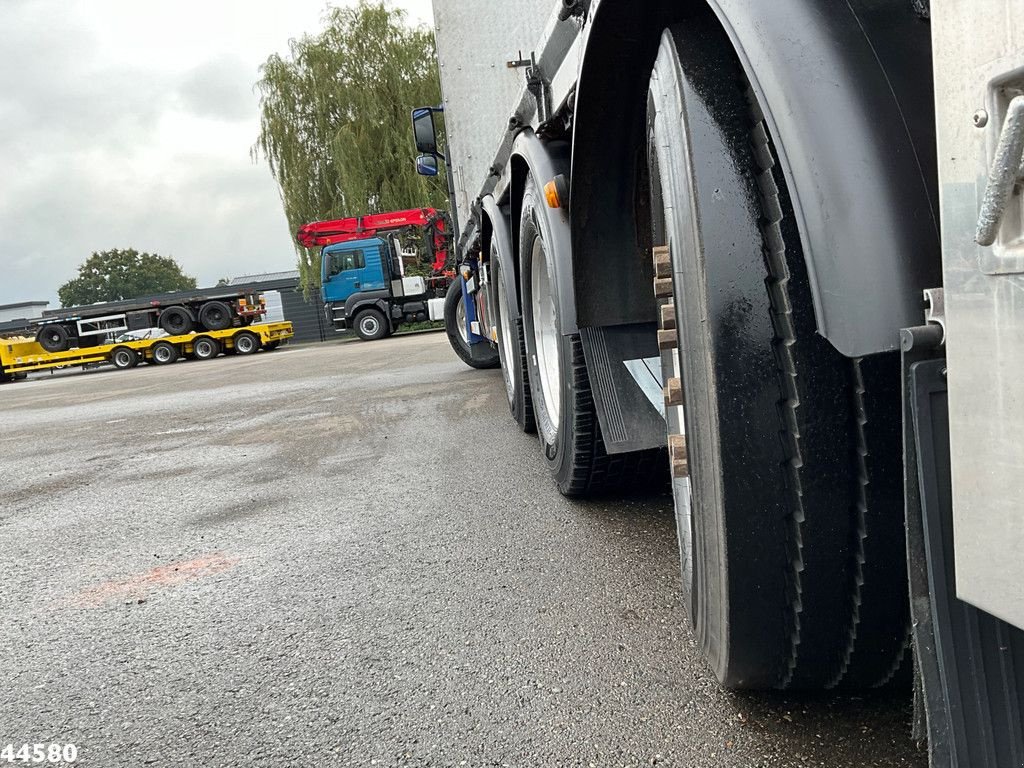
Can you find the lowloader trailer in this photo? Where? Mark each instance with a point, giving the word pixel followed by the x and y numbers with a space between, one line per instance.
pixel 212 309
pixel 20 356
pixel 777 249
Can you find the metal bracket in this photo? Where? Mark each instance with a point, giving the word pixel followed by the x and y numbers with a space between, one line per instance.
pixel 935 309
pixel 520 62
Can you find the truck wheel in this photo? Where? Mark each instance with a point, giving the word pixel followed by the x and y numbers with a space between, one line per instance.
pixel 790 522
pixel 53 338
pixel 458 336
pixel 246 343
pixel 370 325
pixel 177 321
pixel 215 316
pixel 559 384
pixel 123 358
pixel 511 349
pixel 164 353
pixel 205 348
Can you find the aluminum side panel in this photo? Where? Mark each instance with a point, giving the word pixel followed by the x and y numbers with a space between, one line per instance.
pixel 474 42
pixel 979 62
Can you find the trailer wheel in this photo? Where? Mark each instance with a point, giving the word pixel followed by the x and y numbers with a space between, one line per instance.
pixel 123 358
pixel 53 338
pixel 511 348
pixel 164 353
pixel 205 348
pixel 458 336
pixel 789 520
pixel 215 316
pixel 246 343
pixel 177 321
pixel 563 406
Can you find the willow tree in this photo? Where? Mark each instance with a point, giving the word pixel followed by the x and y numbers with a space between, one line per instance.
pixel 335 126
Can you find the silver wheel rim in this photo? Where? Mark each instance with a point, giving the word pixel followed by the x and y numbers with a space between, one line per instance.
pixel 506 341
pixel 674 182
pixel 245 344
pixel 162 354
pixel 369 325
pixel 204 349
pixel 460 321
pixel 121 360
pixel 545 336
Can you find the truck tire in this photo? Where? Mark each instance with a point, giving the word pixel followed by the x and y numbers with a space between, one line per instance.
pixel 205 348
pixel 790 523
pixel 563 406
pixel 458 337
pixel 511 349
pixel 123 358
pixel 177 321
pixel 164 353
pixel 53 338
pixel 246 343
pixel 215 316
pixel 370 325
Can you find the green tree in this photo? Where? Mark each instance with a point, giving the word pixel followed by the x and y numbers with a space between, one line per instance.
pixel 123 274
pixel 335 119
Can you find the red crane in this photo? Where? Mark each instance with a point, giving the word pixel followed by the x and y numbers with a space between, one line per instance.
pixel 432 221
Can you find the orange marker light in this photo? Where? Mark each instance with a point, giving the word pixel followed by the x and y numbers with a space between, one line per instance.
pixel 551 194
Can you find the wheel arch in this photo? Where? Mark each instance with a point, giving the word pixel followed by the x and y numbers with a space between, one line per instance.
pixel 495 226
pixel 851 88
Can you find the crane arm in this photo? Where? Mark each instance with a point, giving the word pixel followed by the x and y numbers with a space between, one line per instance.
pixel 321 233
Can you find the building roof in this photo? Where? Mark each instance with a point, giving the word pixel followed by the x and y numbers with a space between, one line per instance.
pixel 23 304
pixel 266 277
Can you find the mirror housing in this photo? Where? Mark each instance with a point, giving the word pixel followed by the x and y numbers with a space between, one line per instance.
pixel 426 165
pixel 424 131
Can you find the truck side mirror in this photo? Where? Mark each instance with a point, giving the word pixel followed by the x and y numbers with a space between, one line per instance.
pixel 424 131
pixel 426 165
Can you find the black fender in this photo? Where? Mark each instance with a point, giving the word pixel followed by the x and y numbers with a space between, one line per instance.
pixel 496 229
pixel 847 90
pixel 380 300
pixel 543 161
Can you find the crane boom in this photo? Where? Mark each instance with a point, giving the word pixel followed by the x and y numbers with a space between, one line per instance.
pixel 435 223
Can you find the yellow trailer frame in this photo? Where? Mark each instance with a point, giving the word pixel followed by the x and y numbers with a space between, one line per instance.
pixel 23 355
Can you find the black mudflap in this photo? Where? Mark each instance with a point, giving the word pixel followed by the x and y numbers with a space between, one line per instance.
pixel 970 665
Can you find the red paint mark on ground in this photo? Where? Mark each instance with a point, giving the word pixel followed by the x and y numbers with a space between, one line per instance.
pixel 139 586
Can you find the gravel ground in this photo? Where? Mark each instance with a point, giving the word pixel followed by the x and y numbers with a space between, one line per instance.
pixel 271 561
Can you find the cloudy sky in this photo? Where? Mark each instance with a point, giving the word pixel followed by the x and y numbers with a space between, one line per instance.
pixel 128 124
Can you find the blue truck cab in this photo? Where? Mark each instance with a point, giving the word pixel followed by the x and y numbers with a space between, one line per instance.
pixel 364 288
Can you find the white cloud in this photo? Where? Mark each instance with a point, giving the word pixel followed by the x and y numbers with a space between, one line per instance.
pixel 129 124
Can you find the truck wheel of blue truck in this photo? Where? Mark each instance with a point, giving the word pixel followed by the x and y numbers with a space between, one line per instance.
pixel 177 321
pixel 215 316
pixel 123 358
pixel 484 356
pixel 53 338
pixel 786 464
pixel 370 325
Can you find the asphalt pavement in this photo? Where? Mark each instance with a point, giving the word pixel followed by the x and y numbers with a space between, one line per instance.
pixel 285 559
